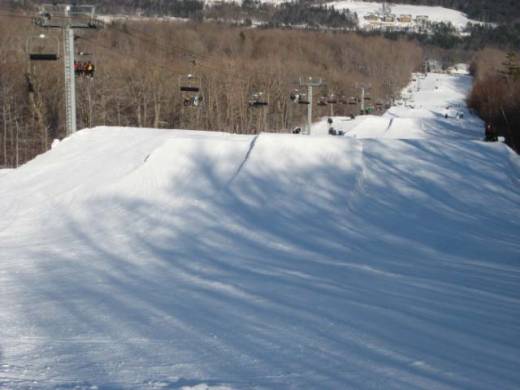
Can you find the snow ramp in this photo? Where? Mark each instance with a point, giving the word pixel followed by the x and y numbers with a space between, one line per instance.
pixel 145 259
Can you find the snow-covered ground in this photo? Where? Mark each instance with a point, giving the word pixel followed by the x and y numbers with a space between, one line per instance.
pixel 435 14
pixel 420 114
pixel 147 259
pixel 137 18
pixel 4 171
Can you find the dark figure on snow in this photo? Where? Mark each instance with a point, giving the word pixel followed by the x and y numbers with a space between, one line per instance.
pixel 491 133
pixel 332 131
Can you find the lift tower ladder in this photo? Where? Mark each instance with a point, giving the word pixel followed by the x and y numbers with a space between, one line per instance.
pixel 70 80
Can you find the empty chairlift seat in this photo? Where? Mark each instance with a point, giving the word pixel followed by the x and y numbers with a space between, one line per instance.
pixel 43 48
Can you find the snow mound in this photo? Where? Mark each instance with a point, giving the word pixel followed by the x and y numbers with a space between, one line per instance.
pixel 144 259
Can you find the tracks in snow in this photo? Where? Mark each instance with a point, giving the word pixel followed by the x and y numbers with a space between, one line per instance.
pixel 244 161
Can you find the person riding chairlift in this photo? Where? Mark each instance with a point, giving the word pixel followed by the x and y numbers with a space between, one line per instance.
pixel 89 69
pixel 78 68
pixel 84 68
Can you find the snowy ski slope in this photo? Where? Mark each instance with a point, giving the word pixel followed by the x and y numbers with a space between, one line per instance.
pixel 420 115
pixel 155 259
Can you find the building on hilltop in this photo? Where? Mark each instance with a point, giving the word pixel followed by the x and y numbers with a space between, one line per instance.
pixel 405 19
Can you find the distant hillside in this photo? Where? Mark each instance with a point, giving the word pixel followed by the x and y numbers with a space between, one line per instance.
pixel 499 11
pixel 487 10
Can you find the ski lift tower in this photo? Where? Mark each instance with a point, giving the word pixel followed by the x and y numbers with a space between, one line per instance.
pixel 309 83
pixel 364 88
pixel 68 17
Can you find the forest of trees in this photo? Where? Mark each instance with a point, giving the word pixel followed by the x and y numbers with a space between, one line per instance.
pixel 139 65
pixel 295 13
pixel 496 92
pixel 444 35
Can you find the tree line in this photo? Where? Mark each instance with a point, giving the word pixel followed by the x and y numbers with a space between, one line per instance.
pixel 318 14
pixel 496 92
pixel 499 11
pixel 138 65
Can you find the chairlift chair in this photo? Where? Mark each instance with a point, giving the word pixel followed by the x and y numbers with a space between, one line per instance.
pixel 332 99
pixel 294 96
pixel 322 101
pixel 85 60
pixel 352 100
pixel 257 100
pixel 189 83
pixel 300 97
pixel 190 87
pixel 343 100
pixel 43 48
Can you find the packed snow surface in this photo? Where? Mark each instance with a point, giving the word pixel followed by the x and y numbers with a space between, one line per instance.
pixel 156 259
pixel 432 107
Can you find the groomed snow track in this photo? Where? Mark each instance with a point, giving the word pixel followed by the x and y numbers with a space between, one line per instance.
pixel 140 258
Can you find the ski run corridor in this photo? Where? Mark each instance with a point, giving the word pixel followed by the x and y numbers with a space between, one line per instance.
pixel 387 258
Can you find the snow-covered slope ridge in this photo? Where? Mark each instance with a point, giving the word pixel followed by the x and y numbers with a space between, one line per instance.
pixel 145 259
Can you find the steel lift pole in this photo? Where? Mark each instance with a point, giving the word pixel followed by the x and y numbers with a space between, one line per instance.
pixel 70 79
pixel 309 83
